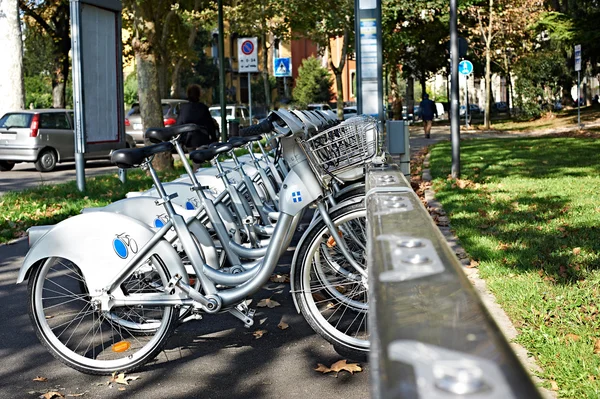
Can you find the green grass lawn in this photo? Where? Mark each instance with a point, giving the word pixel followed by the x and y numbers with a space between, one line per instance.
pixel 528 210
pixel 52 203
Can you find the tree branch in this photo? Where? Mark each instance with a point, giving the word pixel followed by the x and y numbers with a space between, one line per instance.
pixel 28 11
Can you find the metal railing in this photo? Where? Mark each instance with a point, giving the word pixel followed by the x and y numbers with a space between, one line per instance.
pixel 431 336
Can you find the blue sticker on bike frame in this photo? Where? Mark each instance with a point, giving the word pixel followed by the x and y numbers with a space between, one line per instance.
pixel 189 206
pixel 158 223
pixel 120 248
pixel 296 196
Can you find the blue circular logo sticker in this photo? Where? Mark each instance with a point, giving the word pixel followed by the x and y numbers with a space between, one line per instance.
pixel 158 223
pixel 189 206
pixel 120 248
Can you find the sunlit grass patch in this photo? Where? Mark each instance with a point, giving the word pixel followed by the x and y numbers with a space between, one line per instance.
pixel 528 210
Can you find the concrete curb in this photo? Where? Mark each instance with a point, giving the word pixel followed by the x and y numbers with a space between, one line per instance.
pixel 489 300
pixel 13 242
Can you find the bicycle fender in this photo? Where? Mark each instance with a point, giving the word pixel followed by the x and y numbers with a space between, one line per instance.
pixel 301 242
pixel 101 244
pixel 146 211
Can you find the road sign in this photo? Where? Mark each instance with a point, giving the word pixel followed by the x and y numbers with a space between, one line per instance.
pixel 578 57
pixel 247 55
pixel 465 67
pixel 282 67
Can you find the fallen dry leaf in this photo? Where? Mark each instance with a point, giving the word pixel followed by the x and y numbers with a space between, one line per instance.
pixel 553 385
pixel 283 325
pixel 342 365
pixel 576 251
pixel 122 378
pixel 268 302
pixel 40 379
pixel 52 395
pixel 573 337
pixel 259 333
pixel 338 366
pixel 473 264
pixel 322 368
pixel 597 347
pixel 280 278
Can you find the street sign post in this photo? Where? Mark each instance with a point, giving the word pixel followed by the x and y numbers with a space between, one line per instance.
pixel 465 68
pixel 578 69
pixel 369 58
pixel 248 62
pixel 283 69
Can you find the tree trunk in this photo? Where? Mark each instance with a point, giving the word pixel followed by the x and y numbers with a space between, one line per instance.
pixel 176 90
pixel 148 83
pixel 62 40
pixel 265 70
pixel 423 83
pixel 396 96
pixel 150 107
pixel 11 69
pixel 410 96
pixel 488 86
pixel 337 71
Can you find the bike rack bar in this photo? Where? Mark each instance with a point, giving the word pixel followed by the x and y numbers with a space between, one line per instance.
pixel 431 336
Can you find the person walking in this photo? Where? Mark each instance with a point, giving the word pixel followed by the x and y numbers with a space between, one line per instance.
pixel 428 111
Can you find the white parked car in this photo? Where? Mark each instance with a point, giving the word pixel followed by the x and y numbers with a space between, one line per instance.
pixel 234 112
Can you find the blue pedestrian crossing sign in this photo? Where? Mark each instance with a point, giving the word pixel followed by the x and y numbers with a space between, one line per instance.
pixel 465 67
pixel 282 67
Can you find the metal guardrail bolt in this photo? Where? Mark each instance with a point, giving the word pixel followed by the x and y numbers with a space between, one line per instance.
pixel 410 244
pixel 460 378
pixel 416 259
pixel 388 179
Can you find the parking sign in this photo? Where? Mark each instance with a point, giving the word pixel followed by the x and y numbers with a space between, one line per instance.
pixel 247 55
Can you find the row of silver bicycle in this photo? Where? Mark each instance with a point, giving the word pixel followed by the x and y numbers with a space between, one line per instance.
pixel 108 287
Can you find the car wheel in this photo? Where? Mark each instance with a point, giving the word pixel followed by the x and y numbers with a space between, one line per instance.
pixel 46 160
pixel 5 166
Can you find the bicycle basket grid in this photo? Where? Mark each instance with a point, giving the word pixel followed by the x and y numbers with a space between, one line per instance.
pixel 341 147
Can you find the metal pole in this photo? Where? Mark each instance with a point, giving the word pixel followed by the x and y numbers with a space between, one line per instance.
pixel 78 105
pixel 467 100
pixel 454 124
pixel 285 90
pixel 250 97
pixel 221 45
pixel 578 102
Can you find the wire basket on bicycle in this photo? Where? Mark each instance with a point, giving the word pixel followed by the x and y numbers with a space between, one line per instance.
pixel 348 145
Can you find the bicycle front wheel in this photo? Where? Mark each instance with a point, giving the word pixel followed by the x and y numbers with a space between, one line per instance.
pixel 331 294
pixel 73 328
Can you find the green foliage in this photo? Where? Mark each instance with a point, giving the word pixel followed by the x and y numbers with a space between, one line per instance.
pixel 38 91
pixel 203 71
pixel 538 81
pixel 130 89
pixel 313 84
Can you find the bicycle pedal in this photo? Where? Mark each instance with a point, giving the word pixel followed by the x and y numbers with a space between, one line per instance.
pixel 244 313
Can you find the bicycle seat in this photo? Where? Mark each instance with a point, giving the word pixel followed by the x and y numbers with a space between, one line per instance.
pixel 161 134
pixel 201 156
pixel 245 139
pixel 131 157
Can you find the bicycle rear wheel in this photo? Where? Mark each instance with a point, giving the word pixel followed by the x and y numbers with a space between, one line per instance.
pixel 73 328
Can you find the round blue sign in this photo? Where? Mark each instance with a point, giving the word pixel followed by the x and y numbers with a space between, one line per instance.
pixel 465 67
pixel 247 47
pixel 120 248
